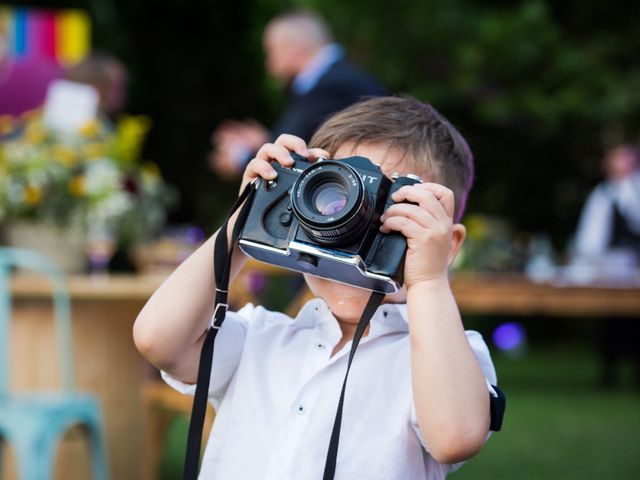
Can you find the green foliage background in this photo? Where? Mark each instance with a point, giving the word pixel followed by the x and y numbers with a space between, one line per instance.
pixel 539 88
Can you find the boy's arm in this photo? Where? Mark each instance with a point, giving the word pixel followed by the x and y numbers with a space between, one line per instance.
pixel 449 389
pixel 171 327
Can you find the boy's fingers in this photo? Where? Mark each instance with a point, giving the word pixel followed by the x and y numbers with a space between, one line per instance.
pixel 419 215
pixel 443 194
pixel 293 144
pixel 424 194
pixel 270 151
pixel 315 153
pixel 404 225
pixel 260 168
pixel 424 199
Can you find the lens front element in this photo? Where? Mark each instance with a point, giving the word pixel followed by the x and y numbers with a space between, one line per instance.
pixel 331 203
pixel 329 198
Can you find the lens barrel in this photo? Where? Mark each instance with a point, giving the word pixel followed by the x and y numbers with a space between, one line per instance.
pixel 331 203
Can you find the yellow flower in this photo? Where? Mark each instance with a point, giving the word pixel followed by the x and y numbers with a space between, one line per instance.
pixel 77 186
pixel 91 128
pixel 64 155
pixel 91 151
pixel 477 227
pixel 130 134
pixel 35 133
pixel 32 194
pixel 150 169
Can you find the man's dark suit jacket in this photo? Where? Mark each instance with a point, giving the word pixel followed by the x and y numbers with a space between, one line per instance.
pixel 342 85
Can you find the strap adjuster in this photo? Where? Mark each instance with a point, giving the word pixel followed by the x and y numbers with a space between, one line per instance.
pixel 215 312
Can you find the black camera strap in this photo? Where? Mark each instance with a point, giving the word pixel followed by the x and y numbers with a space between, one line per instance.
pixel 330 464
pixel 222 267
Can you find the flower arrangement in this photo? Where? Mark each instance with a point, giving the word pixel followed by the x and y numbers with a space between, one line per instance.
pixel 74 181
pixel 491 245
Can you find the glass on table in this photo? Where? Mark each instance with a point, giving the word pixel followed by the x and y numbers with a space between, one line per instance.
pixel 101 245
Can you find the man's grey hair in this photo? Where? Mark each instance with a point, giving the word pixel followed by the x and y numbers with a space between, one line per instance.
pixel 304 27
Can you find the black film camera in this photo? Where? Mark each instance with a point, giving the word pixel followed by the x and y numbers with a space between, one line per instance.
pixel 322 218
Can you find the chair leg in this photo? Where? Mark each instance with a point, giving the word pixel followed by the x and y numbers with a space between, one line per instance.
pixel 99 464
pixel 1 456
pixel 35 460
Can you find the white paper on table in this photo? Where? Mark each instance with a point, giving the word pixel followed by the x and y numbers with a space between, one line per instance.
pixel 69 105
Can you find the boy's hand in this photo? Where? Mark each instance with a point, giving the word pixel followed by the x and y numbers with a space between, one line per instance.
pixel 429 229
pixel 279 151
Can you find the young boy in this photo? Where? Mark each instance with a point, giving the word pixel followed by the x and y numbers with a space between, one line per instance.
pixel 418 395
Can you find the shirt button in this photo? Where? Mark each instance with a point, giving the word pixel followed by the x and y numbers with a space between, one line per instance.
pixel 301 409
pixel 320 346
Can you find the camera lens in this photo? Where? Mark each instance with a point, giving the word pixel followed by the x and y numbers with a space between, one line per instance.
pixel 331 203
pixel 329 198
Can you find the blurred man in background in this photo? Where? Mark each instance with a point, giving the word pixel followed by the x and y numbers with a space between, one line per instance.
pixel 108 75
pixel 610 220
pixel 301 54
pixel 608 243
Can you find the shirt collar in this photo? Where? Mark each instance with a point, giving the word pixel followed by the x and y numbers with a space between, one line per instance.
pixel 389 318
pixel 316 68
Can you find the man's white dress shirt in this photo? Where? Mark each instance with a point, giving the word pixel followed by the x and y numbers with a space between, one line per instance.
pixel 316 68
pixel 276 388
pixel 596 220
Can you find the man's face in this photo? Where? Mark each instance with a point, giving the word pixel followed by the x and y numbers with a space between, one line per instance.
pixel 621 163
pixel 280 54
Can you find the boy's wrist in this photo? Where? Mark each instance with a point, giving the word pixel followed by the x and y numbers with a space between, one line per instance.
pixel 434 283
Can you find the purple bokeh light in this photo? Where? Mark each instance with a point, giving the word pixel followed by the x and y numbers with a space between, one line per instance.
pixel 257 281
pixel 194 236
pixel 509 336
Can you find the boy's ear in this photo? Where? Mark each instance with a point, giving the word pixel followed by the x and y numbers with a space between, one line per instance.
pixel 458 234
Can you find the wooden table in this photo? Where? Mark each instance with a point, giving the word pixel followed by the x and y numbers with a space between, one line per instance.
pixel 106 360
pixel 108 364
pixel 513 294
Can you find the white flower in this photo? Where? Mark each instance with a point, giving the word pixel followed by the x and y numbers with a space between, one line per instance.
pixel 102 176
pixel 111 207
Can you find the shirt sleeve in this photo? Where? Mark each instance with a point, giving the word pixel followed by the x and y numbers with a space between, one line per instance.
pixel 483 356
pixel 228 348
pixel 594 226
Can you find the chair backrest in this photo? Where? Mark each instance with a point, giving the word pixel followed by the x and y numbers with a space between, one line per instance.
pixel 34 261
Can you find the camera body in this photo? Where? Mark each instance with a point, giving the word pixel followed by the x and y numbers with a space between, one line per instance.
pixel 323 218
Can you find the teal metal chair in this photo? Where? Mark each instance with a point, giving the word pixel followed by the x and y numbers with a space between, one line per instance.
pixel 34 423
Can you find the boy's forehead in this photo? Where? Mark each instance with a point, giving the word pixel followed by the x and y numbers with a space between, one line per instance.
pixel 390 160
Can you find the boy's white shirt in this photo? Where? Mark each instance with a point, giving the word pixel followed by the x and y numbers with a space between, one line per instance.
pixel 275 389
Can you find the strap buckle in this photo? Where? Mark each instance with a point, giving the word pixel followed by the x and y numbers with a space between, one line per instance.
pixel 215 312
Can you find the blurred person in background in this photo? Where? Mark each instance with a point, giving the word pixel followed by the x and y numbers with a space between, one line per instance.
pixel 108 76
pixel 302 55
pixel 608 242
pixel 610 219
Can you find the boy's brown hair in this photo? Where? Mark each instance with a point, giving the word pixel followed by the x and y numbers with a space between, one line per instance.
pixel 430 145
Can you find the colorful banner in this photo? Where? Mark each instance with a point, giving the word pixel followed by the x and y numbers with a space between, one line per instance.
pixel 61 35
